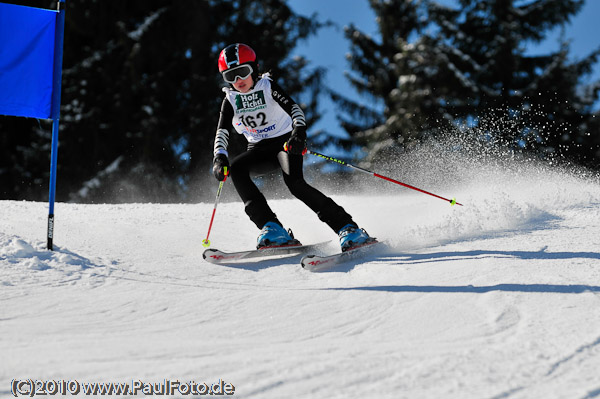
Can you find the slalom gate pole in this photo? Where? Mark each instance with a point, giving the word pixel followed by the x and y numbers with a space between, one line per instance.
pixel 206 241
pixel 59 34
pixel 328 158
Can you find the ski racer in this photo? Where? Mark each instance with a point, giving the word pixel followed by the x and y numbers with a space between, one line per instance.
pixel 275 128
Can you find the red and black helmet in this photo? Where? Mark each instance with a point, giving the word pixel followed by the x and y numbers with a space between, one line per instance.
pixel 235 55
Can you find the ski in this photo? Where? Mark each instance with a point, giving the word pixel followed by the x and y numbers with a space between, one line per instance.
pixel 316 263
pixel 218 257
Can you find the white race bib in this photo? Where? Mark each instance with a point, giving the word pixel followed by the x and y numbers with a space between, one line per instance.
pixel 256 114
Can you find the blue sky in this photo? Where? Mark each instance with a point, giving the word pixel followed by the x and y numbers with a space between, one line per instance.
pixel 329 48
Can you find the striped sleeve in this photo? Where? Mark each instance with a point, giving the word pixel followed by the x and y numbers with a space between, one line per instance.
pixel 222 135
pixel 221 142
pixel 298 116
pixel 288 105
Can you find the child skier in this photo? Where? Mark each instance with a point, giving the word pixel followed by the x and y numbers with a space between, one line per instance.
pixel 275 128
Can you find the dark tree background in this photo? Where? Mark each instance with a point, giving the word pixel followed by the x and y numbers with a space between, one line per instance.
pixel 141 97
pixel 141 90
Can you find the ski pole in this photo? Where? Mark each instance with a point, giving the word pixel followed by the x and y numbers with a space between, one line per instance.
pixel 451 201
pixel 206 241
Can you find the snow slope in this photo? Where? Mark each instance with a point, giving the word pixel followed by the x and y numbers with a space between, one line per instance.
pixel 496 299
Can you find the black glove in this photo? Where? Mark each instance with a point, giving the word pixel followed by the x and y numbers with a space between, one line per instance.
pixel 296 144
pixel 220 162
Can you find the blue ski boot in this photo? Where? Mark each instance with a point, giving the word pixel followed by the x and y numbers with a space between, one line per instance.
pixel 351 236
pixel 274 235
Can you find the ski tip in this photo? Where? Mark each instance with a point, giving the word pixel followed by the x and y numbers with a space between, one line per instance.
pixel 316 263
pixel 207 253
pixel 305 259
pixel 307 263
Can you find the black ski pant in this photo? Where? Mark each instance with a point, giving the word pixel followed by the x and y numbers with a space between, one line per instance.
pixel 266 156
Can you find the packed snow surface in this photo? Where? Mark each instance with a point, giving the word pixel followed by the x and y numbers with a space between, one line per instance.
pixel 499 298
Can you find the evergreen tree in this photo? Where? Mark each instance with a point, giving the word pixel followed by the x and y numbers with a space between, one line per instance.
pixel 394 70
pixel 436 66
pixel 528 102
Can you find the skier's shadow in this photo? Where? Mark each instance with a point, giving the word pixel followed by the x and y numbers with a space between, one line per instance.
pixel 411 259
pixel 259 265
pixel 542 254
pixel 470 289
pixel 390 256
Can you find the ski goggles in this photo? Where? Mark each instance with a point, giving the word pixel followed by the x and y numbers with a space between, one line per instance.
pixel 241 72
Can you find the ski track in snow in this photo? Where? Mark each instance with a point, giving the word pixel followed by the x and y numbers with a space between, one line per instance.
pixel 499 298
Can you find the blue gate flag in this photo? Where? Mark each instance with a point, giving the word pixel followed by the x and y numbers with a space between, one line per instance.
pixel 31 51
pixel 27 38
